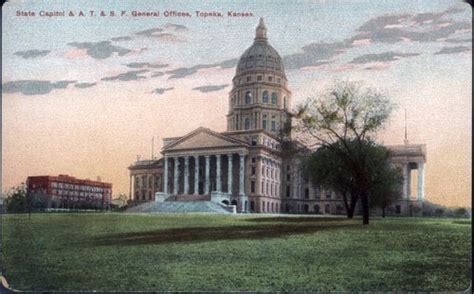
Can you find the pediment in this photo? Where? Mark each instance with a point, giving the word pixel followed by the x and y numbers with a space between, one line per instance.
pixel 203 138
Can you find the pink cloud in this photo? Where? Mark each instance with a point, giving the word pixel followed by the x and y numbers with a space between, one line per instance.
pixel 378 66
pixel 345 67
pixel 76 53
pixel 362 42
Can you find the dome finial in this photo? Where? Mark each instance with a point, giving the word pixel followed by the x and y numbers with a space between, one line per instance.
pixel 261 31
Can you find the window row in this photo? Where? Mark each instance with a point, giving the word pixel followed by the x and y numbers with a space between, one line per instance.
pixel 249 79
pixel 266 98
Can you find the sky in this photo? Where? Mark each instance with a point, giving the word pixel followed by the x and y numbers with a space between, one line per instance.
pixel 85 95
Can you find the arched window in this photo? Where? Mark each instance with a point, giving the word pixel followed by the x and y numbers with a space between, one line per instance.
pixel 248 97
pixel 247 123
pixel 316 208
pixel 274 98
pixel 285 102
pixel 265 97
pixel 264 122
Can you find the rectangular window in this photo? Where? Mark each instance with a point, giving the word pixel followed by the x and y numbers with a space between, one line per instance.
pixel 270 79
pixel 288 191
pixel 328 196
pixel 259 78
pixel 254 170
pixel 249 78
pixel 252 186
pixel 254 160
pixel 306 193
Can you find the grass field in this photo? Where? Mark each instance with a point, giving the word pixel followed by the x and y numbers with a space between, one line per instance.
pixel 121 252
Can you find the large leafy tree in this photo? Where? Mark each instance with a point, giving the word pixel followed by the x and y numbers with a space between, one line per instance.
pixel 345 121
pixel 16 200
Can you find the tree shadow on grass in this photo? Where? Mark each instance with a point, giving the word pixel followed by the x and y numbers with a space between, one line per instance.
pixel 204 234
pixel 299 219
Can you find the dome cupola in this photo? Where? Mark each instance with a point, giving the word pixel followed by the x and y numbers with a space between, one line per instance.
pixel 261 55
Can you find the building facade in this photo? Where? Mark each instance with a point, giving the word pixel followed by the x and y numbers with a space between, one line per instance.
pixel 244 166
pixel 64 191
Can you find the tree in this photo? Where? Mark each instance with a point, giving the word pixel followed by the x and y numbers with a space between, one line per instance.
pixel 460 212
pixel 16 199
pixel 348 113
pixel 386 185
pixel 326 169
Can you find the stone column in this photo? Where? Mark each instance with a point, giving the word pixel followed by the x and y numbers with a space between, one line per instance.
pixel 408 181
pixel 206 185
pixel 176 176
pixel 165 175
pixel 405 182
pixel 196 175
pixel 241 174
pixel 229 174
pixel 420 195
pixel 186 175
pixel 130 190
pixel 218 173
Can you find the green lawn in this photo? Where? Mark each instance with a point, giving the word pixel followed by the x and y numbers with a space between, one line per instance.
pixel 122 252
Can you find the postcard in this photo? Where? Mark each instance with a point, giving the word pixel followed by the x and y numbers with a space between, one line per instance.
pixel 313 145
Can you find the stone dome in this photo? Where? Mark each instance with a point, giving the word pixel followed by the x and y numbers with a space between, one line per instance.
pixel 261 55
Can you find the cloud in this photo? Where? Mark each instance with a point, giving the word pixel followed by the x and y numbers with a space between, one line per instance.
pixel 32 53
pixel 127 76
pixel 158 33
pixel 382 57
pixel 187 71
pixel 160 91
pixel 459 40
pixel 84 85
pixel 210 88
pixel 157 74
pixel 315 54
pixel 34 87
pixel 146 64
pixel 175 27
pixel 149 32
pixel 119 39
pixel 422 27
pixel 453 50
pixel 100 50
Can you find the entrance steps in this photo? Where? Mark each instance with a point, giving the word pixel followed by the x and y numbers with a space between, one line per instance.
pixel 181 207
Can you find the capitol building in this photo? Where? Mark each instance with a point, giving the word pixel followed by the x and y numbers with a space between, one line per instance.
pixel 244 167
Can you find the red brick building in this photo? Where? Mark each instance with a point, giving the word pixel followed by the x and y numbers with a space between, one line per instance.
pixel 68 192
